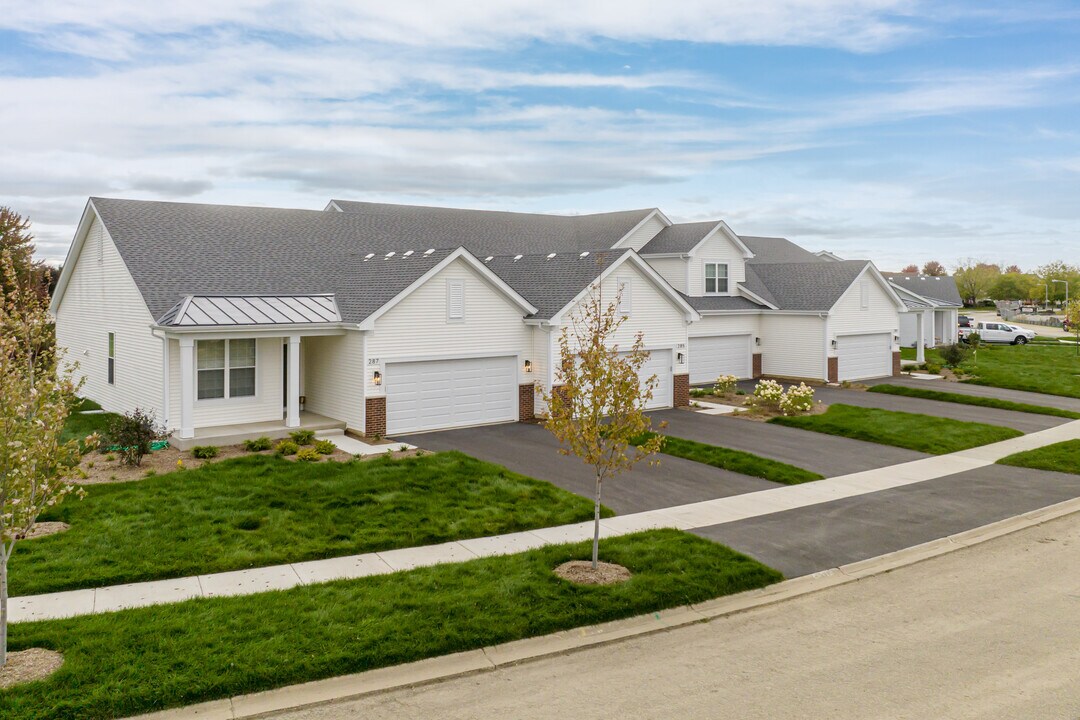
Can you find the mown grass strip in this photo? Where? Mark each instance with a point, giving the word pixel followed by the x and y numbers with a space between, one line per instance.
pixel 1059 457
pixel 153 658
pixel 923 433
pixel 262 510
pixel 973 400
pixel 733 460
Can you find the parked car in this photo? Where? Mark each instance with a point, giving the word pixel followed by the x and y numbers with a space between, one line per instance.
pixel 996 332
pixel 963 321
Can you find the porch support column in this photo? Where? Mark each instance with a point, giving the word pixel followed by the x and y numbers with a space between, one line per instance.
pixel 187 387
pixel 920 344
pixel 292 418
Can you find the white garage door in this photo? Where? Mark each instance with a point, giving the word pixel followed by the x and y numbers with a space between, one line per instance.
pixel 658 364
pixel 438 394
pixel 864 356
pixel 711 357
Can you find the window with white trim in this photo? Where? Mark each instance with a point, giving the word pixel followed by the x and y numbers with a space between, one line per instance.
pixel 112 358
pixel 716 278
pixel 225 368
pixel 455 300
pixel 626 299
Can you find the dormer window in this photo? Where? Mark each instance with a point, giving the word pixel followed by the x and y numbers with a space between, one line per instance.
pixel 716 278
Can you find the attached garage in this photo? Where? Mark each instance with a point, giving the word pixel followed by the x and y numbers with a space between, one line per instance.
pixel 864 356
pixel 659 364
pixel 440 394
pixel 711 357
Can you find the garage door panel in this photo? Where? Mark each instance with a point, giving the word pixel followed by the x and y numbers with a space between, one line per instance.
pixel 711 357
pixel 864 356
pixel 432 395
pixel 658 364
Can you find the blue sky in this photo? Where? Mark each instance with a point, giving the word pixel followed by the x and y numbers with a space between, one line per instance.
pixel 897 130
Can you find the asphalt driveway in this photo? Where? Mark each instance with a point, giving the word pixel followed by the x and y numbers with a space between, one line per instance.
pixel 827 455
pixel 1024 422
pixel 819 537
pixel 531 450
pixel 1021 396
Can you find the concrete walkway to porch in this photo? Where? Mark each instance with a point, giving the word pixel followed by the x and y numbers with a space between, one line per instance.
pixel 705 514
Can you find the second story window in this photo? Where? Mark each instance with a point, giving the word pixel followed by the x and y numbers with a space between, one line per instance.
pixel 716 278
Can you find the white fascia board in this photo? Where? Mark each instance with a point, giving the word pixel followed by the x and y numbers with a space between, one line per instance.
pixel 679 255
pixel 207 332
pixel 655 213
pixel 332 205
pixel 73 253
pixel 901 291
pixel 755 297
pixel 722 227
pixel 731 312
pixel 657 280
pixel 483 270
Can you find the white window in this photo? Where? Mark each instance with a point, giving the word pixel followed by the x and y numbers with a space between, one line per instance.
pixel 112 358
pixel 716 278
pixel 225 368
pixel 864 295
pixel 455 299
pixel 626 300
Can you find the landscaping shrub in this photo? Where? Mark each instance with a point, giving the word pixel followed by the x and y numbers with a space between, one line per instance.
pixel 302 437
pixel 797 399
pixel 973 340
pixel 768 392
pixel 308 454
pixel 258 444
pixel 134 434
pixel 953 354
pixel 699 392
pixel 287 447
pixel 933 368
pixel 325 447
pixel 725 384
pixel 204 452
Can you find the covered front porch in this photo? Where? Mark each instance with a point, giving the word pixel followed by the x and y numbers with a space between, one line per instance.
pixel 235 368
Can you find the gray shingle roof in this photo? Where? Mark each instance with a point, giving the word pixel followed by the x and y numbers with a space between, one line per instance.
pixel 678 238
pixel 778 250
pixel 756 285
pixel 722 302
pixel 492 232
pixel 551 283
pixel 177 249
pixel 942 289
pixel 812 286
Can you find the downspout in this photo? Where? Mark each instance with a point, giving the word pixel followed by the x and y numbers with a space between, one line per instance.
pixel 166 411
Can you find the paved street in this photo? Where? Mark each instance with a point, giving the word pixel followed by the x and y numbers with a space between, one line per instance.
pixel 987 632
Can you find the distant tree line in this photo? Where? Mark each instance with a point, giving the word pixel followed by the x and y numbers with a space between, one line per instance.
pixel 978 280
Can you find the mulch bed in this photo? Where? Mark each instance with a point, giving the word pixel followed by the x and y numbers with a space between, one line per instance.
pixel 582 573
pixel 28 665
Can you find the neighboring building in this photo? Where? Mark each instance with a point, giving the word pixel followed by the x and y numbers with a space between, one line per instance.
pixel 390 319
pixel 932 307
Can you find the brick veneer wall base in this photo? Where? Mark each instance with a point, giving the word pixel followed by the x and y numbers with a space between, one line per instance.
pixel 375 419
pixel 681 390
pixel 757 365
pixel 896 364
pixel 526 402
pixel 834 369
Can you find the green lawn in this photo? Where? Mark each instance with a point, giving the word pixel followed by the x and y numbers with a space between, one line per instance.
pixel 923 433
pixel 262 510
pixel 1059 457
pixel 973 400
pixel 78 426
pixel 147 659
pixel 1050 369
pixel 734 460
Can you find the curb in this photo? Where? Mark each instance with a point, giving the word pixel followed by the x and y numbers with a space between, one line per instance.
pixel 489 659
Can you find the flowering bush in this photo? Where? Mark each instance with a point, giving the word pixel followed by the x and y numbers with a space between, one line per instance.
pixel 768 392
pixel 798 399
pixel 725 384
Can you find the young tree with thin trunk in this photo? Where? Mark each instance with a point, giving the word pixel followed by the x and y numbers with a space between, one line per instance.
pixel 597 408
pixel 36 395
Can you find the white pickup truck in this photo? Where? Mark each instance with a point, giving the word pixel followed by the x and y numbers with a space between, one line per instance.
pixel 997 332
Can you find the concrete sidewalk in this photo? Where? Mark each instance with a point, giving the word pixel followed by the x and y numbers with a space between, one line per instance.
pixel 708 514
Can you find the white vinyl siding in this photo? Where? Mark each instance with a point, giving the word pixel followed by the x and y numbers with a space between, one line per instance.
pixel 711 357
pixel 642 235
pixel 267 403
pixel 793 346
pixel 626 296
pixel 334 377
pixel 864 356
pixel 673 270
pixel 102 298
pixel 438 394
pixel 718 248
pixel 909 323
pixel 848 316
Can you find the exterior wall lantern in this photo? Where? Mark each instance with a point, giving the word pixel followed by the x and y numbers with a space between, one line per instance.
pixel 833 343
pixel 757 341
pixel 680 358
pixel 528 366
pixel 376 378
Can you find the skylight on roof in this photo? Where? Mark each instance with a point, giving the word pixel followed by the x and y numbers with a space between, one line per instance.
pixel 429 251
pixel 551 255
pixel 407 253
pixel 517 257
pixel 584 254
pixel 390 254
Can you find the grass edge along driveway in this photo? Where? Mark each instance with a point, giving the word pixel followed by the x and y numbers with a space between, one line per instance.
pixel 733 460
pixel 261 510
pixel 914 431
pixel 148 659
pixel 1059 457
pixel 977 400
